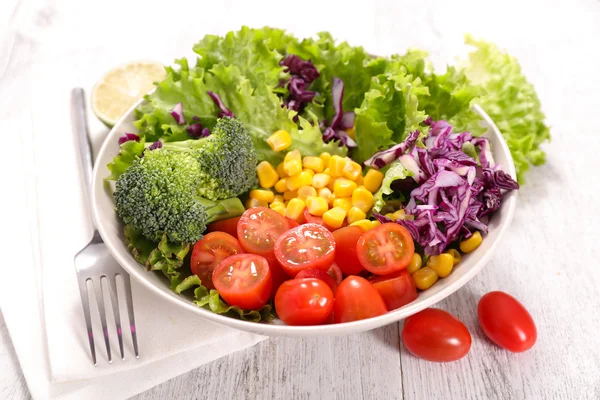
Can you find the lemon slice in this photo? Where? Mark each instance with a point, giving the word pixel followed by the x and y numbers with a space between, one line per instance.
pixel 122 87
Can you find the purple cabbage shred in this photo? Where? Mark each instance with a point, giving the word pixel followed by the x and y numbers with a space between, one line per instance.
pixel 127 137
pixel 177 113
pixel 224 111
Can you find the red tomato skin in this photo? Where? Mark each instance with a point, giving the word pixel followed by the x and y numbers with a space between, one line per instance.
pixel 305 301
pixel 435 335
pixel 345 255
pixel 252 220
pixel 397 289
pixel 205 246
pixel 227 225
pixel 357 299
pixel 506 322
pixel 291 239
pixel 336 273
pixel 292 222
pixel 378 233
pixel 278 275
pixel 252 299
pixel 318 274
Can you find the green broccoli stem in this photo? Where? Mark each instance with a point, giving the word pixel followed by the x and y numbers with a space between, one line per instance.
pixel 222 209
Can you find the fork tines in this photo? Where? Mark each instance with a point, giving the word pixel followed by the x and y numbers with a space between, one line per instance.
pixel 108 282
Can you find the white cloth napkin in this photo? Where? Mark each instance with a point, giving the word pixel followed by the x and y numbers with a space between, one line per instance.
pixel 39 295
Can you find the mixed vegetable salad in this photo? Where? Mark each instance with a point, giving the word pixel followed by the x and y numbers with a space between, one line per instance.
pixel 313 180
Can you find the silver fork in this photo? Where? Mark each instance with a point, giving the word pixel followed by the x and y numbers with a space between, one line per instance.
pixel 94 263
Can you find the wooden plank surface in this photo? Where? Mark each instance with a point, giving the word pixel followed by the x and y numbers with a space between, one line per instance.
pixel 548 258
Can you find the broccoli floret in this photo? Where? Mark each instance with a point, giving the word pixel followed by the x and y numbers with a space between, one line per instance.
pixel 227 159
pixel 160 194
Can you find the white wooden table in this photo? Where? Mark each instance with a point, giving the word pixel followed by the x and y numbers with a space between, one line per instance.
pixel 549 258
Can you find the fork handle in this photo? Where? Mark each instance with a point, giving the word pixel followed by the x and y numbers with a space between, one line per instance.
pixel 80 126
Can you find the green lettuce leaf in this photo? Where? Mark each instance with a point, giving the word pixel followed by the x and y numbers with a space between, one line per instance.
pixel 395 171
pixel 213 302
pixel 128 152
pixel 511 101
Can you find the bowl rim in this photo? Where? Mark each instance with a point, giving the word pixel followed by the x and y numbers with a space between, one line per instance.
pixel 140 274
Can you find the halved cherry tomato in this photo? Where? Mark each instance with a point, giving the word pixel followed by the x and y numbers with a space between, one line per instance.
pixel 209 251
pixel 292 222
pixel 336 273
pixel 345 255
pixel 259 228
pixel 305 301
pixel 277 273
pixel 357 299
pixel 436 335
pixel 308 218
pixel 506 322
pixel 397 289
pixel 244 280
pixel 305 246
pixel 385 249
pixel 227 225
pixel 318 274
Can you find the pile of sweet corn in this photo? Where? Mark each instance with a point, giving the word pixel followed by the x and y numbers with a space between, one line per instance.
pixel 331 187
pixel 440 266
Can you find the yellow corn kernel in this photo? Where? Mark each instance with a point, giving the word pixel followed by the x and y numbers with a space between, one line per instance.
pixel 326 194
pixel 470 244
pixel 297 181
pixel 262 195
pixel 290 194
pixel 352 170
pixel 336 166
pixel 267 176
pixel 327 171
pixel 281 185
pixel 316 205
pixel 278 199
pixel 344 187
pixel 415 264
pixel 315 163
pixel 306 191
pixel 331 184
pixel 255 203
pixel 325 156
pixel 375 223
pixel 351 132
pixel 400 214
pixel 355 214
pixel 320 180
pixel 390 215
pixel 372 180
pixel 280 140
pixel 280 171
pixel 424 278
pixel 278 206
pixel 334 217
pixel 362 199
pixel 360 180
pixel 363 223
pixel 309 171
pixel 292 163
pixel 442 264
pixel 455 255
pixel 343 202
pixel 294 208
pixel 303 198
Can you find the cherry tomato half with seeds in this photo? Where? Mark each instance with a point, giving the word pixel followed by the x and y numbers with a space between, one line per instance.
pixel 228 225
pixel 209 251
pixel 436 335
pixel 306 301
pixel 244 280
pixel 506 322
pixel 357 299
pixel 318 274
pixel 385 249
pixel 259 228
pixel 305 246
pixel 397 289
pixel 345 256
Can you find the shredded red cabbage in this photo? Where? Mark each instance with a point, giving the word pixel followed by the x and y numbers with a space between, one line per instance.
pixel 303 73
pixel 225 112
pixel 156 145
pixel 128 137
pixel 341 120
pixel 177 113
pixel 297 66
pixel 455 194
pixel 197 130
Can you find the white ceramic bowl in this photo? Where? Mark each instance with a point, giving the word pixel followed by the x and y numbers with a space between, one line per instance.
pixel 111 229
